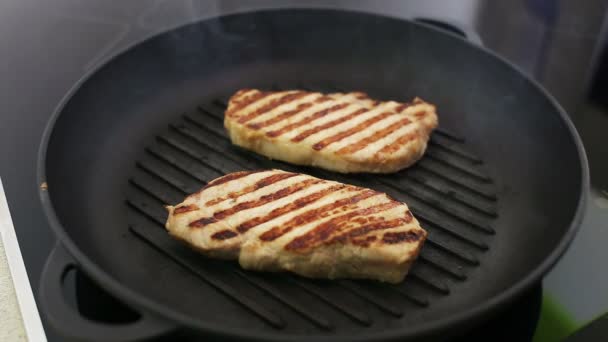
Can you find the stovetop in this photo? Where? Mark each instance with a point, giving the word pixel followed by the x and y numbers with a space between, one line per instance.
pixel 47 47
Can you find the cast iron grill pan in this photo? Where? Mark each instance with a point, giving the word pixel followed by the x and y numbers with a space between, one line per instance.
pixel 500 189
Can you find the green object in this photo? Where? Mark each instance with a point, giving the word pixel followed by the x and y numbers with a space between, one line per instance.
pixel 596 330
pixel 554 324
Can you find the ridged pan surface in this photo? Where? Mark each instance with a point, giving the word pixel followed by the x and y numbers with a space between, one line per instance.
pixel 448 190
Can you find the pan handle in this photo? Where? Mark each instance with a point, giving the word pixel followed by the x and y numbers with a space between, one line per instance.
pixel 70 324
pixel 447 25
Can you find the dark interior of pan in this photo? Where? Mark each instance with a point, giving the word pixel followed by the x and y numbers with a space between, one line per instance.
pixel 498 189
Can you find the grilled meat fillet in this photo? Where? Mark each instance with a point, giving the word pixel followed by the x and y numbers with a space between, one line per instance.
pixel 274 220
pixel 343 132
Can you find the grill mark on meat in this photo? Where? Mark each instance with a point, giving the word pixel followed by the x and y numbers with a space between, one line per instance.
pixel 224 235
pixel 400 108
pixel 339 136
pixel 408 217
pixel 363 242
pixel 242 104
pixel 284 192
pixel 306 120
pixel 324 231
pixel 327 125
pixel 281 117
pixel 398 143
pixel 322 99
pixel 420 114
pixel 375 224
pixel 398 237
pixel 272 105
pixel 240 92
pixel 361 96
pixel 229 177
pixel 379 134
pixel 316 214
pixel 185 208
pixel 258 185
pixel 297 204
pixel 200 223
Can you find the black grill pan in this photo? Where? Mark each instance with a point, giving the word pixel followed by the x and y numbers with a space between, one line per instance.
pixel 500 188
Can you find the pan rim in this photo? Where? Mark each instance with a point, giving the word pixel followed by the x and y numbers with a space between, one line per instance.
pixel 132 297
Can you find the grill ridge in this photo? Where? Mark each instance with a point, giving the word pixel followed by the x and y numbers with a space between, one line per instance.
pixel 352 313
pixel 469 201
pixel 455 150
pixel 372 299
pixel 249 303
pixel 314 317
pixel 433 284
pixel 459 254
pixel 430 166
pixel 171 159
pixel 458 235
pixel 448 161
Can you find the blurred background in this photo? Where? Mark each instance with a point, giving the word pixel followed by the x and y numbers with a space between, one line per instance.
pixel 46 46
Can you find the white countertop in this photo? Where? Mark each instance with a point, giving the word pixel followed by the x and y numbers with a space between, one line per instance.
pixel 11 323
pixel 15 292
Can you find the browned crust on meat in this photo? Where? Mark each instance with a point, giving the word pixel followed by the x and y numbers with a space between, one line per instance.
pixel 398 143
pixel 200 223
pixel 408 217
pixel 361 144
pixel 327 230
pixel 239 93
pixel 315 214
pixel 420 114
pixel 327 125
pixel 400 108
pixel 284 192
pixel 229 177
pixel 224 235
pixel 297 204
pixel 185 208
pixel 363 242
pixel 238 104
pixel 272 105
pixel 283 116
pixel 374 224
pixel 306 120
pixel 359 95
pixel 264 182
pixel 398 237
pixel 337 137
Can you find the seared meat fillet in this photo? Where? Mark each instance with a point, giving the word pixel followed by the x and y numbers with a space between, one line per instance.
pixel 343 132
pixel 274 220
